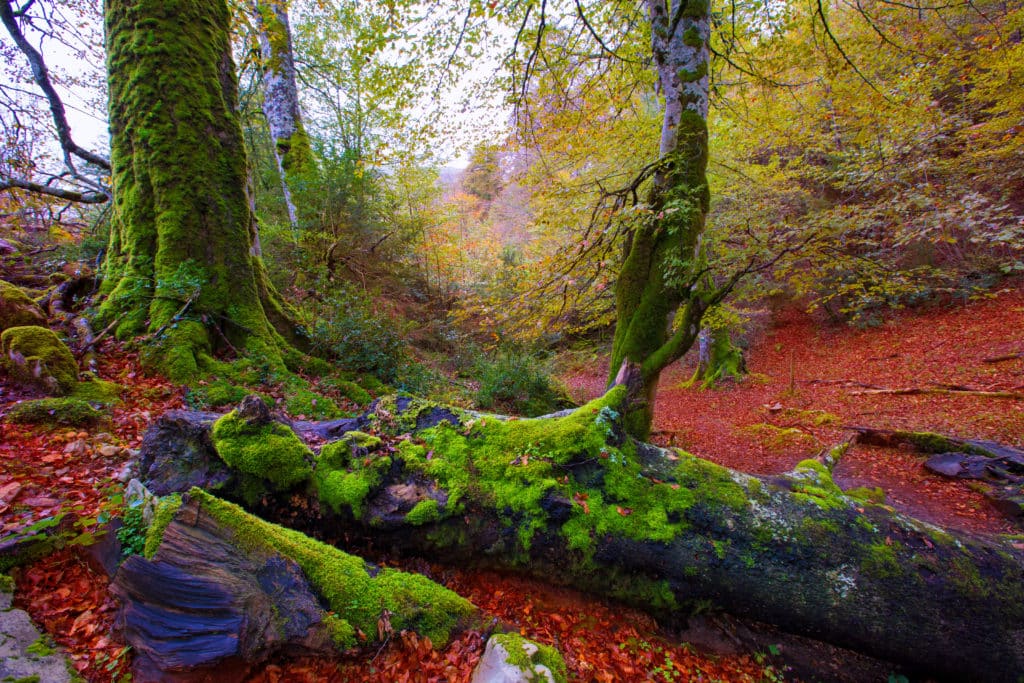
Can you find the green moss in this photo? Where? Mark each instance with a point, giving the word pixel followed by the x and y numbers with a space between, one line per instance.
pixel 41 647
pixel 343 634
pixel 354 392
pixel 867 495
pixel 68 412
pixel 163 515
pixel 424 512
pixel 812 482
pixel 929 442
pixel 779 438
pixel 37 356
pixel 34 678
pixel 526 655
pixel 880 560
pixel 97 391
pixel 311 405
pixel 517 465
pixel 17 309
pixel 271 452
pixel 181 228
pixel 347 471
pixel 6 584
pixel 220 392
pixel 355 598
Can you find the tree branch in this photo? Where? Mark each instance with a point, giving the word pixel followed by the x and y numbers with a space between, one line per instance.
pixel 42 79
pixel 94 197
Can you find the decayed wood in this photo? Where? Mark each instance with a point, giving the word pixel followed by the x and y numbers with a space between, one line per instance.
pixel 203 602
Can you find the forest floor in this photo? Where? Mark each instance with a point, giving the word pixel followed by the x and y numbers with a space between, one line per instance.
pixel 809 381
pixel 802 391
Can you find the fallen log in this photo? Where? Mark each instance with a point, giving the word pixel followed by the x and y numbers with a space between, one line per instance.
pixel 223 591
pixel 999 465
pixel 574 501
pixel 953 391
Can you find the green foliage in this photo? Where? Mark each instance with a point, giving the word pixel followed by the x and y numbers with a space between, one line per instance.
pixel 516 381
pixel 346 327
pixel 132 533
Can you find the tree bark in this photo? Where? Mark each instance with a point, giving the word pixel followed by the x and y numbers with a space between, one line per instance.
pixel 575 501
pixel 658 305
pixel 281 99
pixel 182 219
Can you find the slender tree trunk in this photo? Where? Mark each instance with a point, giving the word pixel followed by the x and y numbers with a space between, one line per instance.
pixel 662 268
pixel 281 99
pixel 183 255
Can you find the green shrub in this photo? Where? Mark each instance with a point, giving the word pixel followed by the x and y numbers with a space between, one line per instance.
pixel 348 329
pixel 518 382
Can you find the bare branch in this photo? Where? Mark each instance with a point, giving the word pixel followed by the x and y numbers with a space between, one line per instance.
pixel 94 197
pixel 42 79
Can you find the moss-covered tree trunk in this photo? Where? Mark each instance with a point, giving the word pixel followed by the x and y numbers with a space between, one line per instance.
pixel 291 145
pixel 572 500
pixel 658 304
pixel 182 256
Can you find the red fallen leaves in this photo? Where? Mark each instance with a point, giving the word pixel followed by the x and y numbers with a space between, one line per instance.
pixel 939 345
pixel 71 602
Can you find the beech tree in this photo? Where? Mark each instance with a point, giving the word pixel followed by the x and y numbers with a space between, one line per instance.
pixel 281 98
pixel 183 238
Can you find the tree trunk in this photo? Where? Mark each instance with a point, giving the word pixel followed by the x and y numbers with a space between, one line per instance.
pixel 182 229
pixel 281 99
pixel 658 305
pixel 575 501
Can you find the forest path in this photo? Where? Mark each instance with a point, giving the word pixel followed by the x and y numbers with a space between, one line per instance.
pixel 803 389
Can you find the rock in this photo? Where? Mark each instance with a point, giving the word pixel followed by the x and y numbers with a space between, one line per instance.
pixel 17 309
pixel 24 654
pixel 509 658
pixel 36 356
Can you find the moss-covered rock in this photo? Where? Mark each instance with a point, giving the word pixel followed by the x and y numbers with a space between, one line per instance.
pixel 510 657
pixel 64 411
pixel 37 356
pixel 268 451
pixel 17 309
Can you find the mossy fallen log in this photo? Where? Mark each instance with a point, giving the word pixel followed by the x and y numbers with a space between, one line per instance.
pixel 574 501
pixel 221 590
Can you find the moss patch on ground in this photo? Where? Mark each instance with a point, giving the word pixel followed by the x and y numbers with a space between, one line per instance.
pixel 65 412
pixel 356 598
